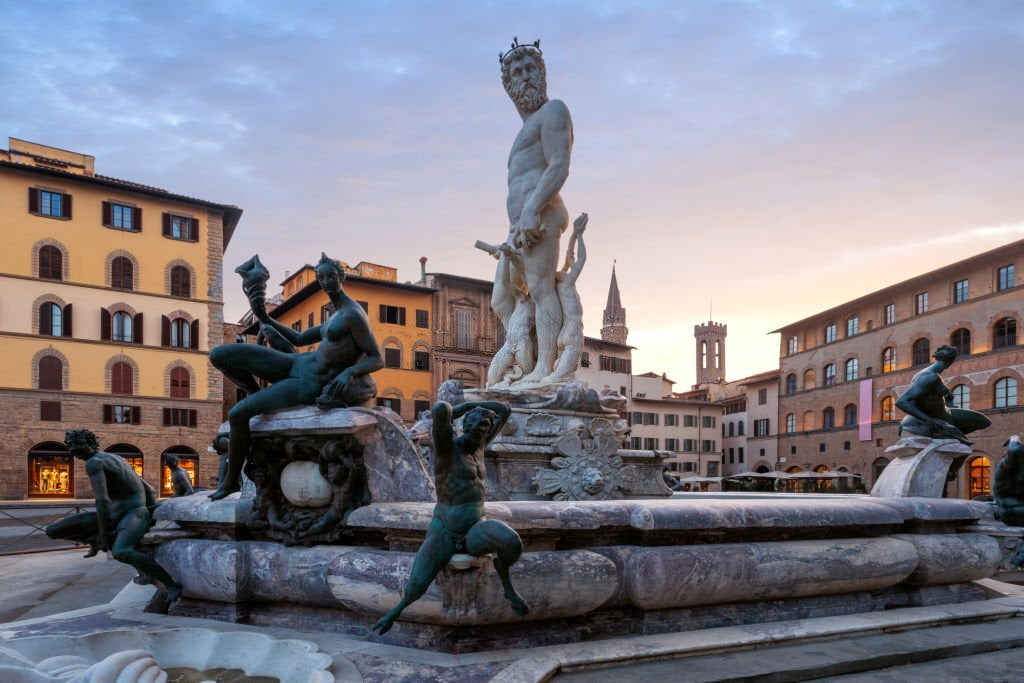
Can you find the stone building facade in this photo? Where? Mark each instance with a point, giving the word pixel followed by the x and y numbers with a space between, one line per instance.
pixel 112 299
pixel 842 370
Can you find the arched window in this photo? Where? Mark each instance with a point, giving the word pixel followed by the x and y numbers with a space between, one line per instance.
pixel 1005 333
pixel 794 469
pixel 808 379
pixel 850 415
pixel 808 422
pixel 961 341
pixel 718 354
pixel 888 408
pixel 790 423
pixel 121 273
pixel 739 428
pixel 732 429
pixel 51 319
pixel 121 327
pixel 821 469
pixel 181 282
pixel 878 466
pixel 187 460
pixel 922 352
pixel 851 369
pixel 51 263
pixel 828 418
pixel 181 333
pixel 830 374
pixel 790 384
pixel 704 354
pixel 978 472
pixel 51 471
pixel 1006 392
pixel 121 379
pixel 130 453
pixel 51 373
pixel 888 359
pixel 961 396
pixel 830 333
pixel 180 383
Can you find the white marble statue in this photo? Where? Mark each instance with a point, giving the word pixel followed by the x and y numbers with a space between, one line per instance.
pixel 512 303
pixel 570 338
pixel 538 166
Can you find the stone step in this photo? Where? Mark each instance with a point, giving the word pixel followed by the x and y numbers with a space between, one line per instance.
pixel 917 654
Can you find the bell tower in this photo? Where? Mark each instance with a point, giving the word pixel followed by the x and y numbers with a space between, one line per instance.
pixel 710 338
pixel 613 323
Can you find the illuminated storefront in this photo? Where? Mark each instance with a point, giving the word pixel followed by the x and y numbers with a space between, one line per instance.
pixel 130 453
pixel 51 471
pixel 187 459
pixel 979 470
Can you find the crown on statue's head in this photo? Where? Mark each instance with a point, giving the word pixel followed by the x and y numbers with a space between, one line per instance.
pixel 516 45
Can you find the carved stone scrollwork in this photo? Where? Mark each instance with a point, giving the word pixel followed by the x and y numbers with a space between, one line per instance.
pixel 588 469
pixel 305 487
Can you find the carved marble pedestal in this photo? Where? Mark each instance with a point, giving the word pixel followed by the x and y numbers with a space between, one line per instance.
pixel 919 467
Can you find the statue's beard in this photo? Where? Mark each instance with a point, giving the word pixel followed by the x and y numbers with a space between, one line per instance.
pixel 529 96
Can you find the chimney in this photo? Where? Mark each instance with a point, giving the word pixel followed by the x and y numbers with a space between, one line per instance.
pixel 423 268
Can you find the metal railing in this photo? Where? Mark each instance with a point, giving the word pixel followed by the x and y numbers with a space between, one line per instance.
pixel 23 526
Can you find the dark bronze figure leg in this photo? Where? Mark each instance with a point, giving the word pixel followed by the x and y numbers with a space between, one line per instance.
pixel 437 549
pixel 493 536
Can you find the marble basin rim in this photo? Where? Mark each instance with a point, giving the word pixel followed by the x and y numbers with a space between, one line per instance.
pixel 290 661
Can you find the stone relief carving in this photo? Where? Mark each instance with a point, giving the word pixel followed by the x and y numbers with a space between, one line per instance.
pixel 588 469
pixel 543 424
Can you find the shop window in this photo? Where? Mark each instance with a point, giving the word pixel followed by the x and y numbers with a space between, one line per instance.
pixel 187 459
pixel 50 470
pixel 979 471
pixel 131 455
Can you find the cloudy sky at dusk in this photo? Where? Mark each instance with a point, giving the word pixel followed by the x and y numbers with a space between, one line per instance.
pixel 775 158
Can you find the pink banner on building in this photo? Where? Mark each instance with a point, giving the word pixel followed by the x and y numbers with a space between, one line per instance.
pixel 865 409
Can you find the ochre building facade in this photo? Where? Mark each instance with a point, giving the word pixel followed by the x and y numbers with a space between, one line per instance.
pixel 111 300
pixel 842 370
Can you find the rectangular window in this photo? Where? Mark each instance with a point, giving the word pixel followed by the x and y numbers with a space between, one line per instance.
pixel 961 288
pixel 852 326
pixel 392 315
pixel 650 444
pixel 793 345
pixel 421 360
pixel 365 305
pixel 585 359
pixel 1005 279
pixel 689 445
pixel 51 203
pixel 636 443
pixel 689 420
pixel 762 397
pixel 671 420
pixel 310 321
pixel 761 427
pixel 921 303
pixel 889 314
pixel 325 313
pixel 708 421
pixel 830 333
pixel 732 456
pixel 464 329
pixel 49 411
pixel 121 415
pixel 422 319
pixel 392 358
pixel 419 407
pixel 707 446
pixel 671 444
pixel 297 326
pixel 122 217
pixel 613 364
pixel 180 417
pixel 739 454
pixel 394 404
pixel 181 227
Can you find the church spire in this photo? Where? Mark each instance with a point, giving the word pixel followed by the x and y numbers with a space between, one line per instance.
pixel 614 321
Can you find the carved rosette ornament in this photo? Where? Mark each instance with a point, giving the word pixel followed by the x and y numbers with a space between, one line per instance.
pixel 588 469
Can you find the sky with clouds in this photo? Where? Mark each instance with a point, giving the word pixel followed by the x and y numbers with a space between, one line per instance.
pixel 769 159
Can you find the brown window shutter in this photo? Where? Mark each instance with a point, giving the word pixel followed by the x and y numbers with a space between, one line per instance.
pixel 193 234
pixel 401 315
pixel 65 206
pixel 108 413
pixel 51 373
pixel 167 417
pixel 137 329
pixel 45 319
pixel 104 324
pixel 195 334
pixel 167 225
pixel 67 321
pixel 137 219
pixel 44 262
pixel 136 415
pixel 165 331
pixel 33 200
pixel 50 411
pixel 192 415
pixel 108 218
pixel 383 313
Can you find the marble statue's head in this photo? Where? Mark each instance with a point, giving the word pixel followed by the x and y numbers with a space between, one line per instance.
pixel 171 460
pixel 329 274
pixel 524 76
pixel 478 422
pixel 81 442
pixel 946 354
